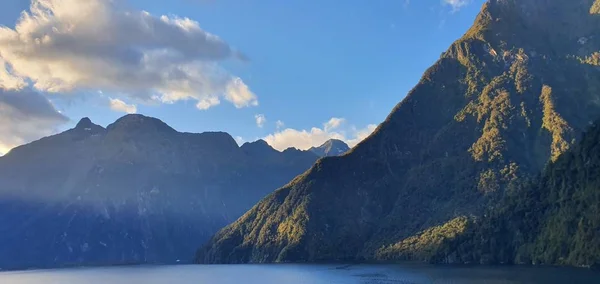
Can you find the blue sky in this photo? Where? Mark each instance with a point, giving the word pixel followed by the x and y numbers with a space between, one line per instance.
pixel 308 61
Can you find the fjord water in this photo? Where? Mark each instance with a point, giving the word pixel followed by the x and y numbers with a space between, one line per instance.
pixel 296 274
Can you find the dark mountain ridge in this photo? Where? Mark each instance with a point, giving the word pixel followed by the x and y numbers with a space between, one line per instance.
pixel 137 191
pixel 513 94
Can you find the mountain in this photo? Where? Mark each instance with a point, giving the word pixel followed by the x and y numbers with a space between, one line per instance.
pixel 137 191
pixel 332 147
pixel 552 219
pixel 509 97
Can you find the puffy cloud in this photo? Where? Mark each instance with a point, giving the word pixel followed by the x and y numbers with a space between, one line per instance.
pixel 9 81
pixel 361 134
pixel 239 94
pixel 25 115
pixel 70 45
pixel 456 4
pixel 333 123
pixel 207 103
pixel 260 120
pixel 279 124
pixel 300 139
pixel 121 106
pixel 316 136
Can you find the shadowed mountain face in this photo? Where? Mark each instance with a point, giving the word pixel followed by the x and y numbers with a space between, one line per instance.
pixel 513 94
pixel 552 219
pixel 332 147
pixel 137 191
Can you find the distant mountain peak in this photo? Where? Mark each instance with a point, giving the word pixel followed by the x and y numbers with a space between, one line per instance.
pixel 261 142
pixel 84 122
pixel 331 147
pixel 132 122
pixel 334 142
pixel 257 143
pixel 86 125
pixel 259 147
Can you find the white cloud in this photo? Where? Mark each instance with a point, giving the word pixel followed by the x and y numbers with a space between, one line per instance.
pixel 70 45
pixel 239 94
pixel 260 120
pixel 333 123
pixel 25 115
pixel 279 124
pixel 207 103
pixel 9 81
pixel 361 134
pixel 239 140
pixel 300 139
pixel 316 136
pixel 121 106
pixel 456 4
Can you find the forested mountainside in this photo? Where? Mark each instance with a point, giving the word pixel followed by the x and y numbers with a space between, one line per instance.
pixel 135 192
pixel 508 98
pixel 553 219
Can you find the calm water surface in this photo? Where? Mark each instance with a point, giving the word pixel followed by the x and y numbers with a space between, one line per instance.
pixel 295 274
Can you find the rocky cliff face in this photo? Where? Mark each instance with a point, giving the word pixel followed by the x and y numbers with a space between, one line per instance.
pixel 135 192
pixel 513 94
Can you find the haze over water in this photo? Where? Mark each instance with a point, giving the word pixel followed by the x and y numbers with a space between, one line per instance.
pixel 297 274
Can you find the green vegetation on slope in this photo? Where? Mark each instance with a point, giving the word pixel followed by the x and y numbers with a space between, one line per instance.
pixel 595 8
pixel 509 97
pixel 425 244
pixel 552 220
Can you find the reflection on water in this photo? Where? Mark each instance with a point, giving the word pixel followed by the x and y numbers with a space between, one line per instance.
pixel 296 274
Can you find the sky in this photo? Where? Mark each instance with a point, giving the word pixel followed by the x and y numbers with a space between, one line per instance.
pixel 294 73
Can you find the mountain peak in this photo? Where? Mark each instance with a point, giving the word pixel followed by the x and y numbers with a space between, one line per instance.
pixel 335 142
pixel 86 125
pixel 138 122
pixel 259 142
pixel 259 147
pixel 331 147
